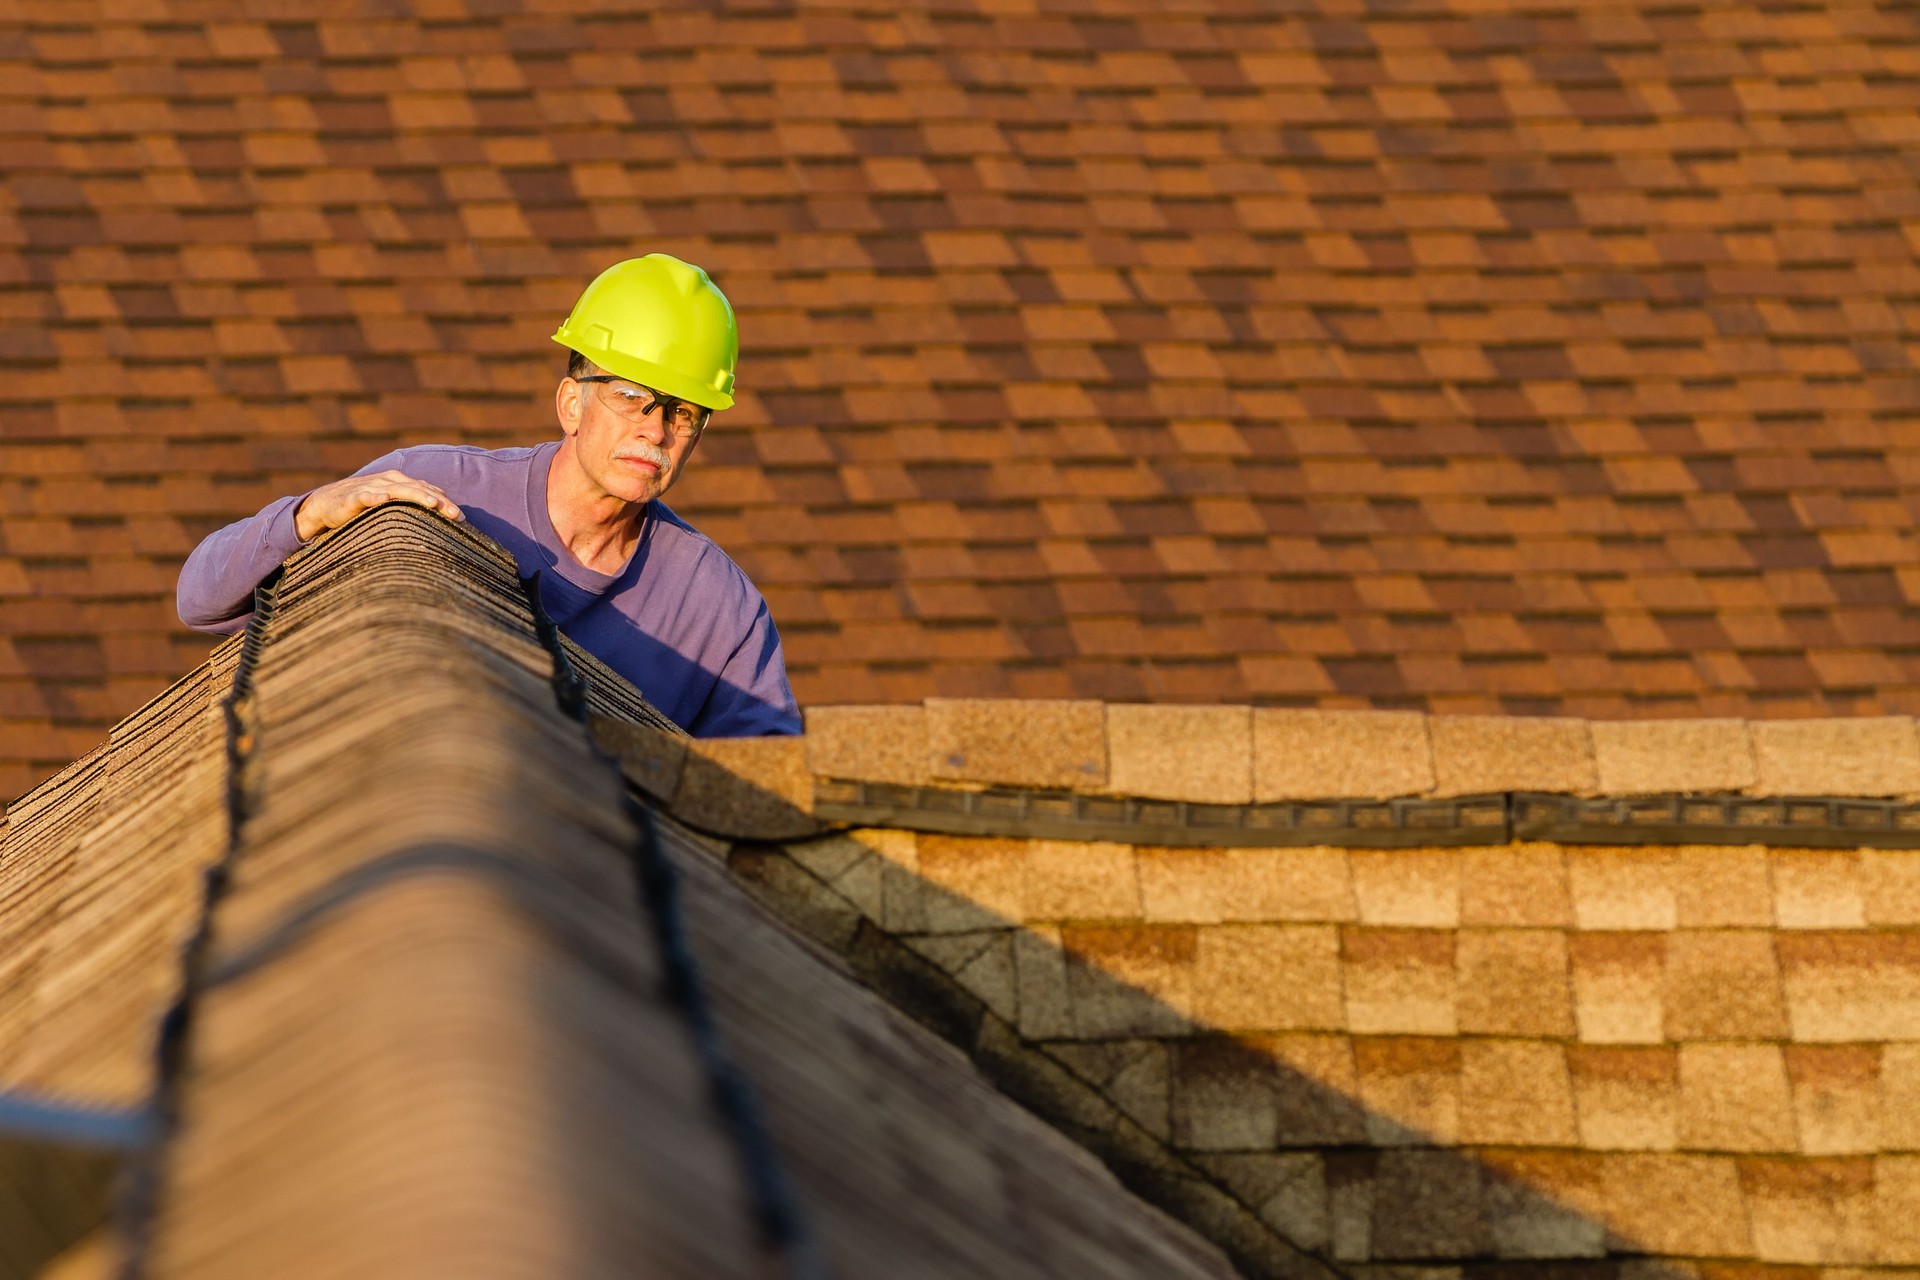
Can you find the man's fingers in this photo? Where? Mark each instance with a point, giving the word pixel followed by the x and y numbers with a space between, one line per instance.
pixel 416 492
pixel 425 495
pixel 333 505
pixel 430 496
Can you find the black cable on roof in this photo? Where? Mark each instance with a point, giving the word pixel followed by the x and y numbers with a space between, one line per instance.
pixel 776 1210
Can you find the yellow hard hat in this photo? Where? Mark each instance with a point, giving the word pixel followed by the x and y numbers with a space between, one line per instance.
pixel 659 322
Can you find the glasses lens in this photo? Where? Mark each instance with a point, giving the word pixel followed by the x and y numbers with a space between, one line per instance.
pixel 688 418
pixel 635 402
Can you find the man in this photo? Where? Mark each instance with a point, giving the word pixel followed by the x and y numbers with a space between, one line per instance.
pixel 654 348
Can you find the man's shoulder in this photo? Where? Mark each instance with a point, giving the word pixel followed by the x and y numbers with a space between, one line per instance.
pixel 495 478
pixel 697 552
pixel 461 457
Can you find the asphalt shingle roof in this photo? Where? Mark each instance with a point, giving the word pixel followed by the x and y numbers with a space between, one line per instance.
pixel 452 1007
pixel 1549 360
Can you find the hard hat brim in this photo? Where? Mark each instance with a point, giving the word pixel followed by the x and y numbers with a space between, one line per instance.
pixel 646 373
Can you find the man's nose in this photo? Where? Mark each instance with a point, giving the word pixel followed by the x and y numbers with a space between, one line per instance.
pixel 653 427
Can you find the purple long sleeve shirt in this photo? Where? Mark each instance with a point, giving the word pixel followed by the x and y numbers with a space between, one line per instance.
pixel 681 620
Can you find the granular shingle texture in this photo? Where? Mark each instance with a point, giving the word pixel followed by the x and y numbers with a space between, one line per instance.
pixel 1530 1061
pixel 1546 360
pixel 428 1028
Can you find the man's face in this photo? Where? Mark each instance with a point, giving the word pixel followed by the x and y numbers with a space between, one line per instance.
pixel 627 454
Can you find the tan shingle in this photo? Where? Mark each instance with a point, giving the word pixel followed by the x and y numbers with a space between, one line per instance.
pixel 1477 754
pixel 1406 886
pixel 1721 884
pixel 1028 742
pixel 1514 982
pixel 749 788
pixel 872 744
pixel 1723 984
pixel 1263 977
pixel 1411 1086
pixel 1517 884
pixel 1423 1208
pixel 1646 756
pixel 1676 1203
pixel 1617 987
pixel 1812 1210
pixel 1818 888
pixel 1837 1098
pixel 1309 754
pixel 1515 1093
pixel 1871 756
pixel 1625 1096
pixel 1180 753
pixel 1851 986
pixel 1615 887
pixel 1399 981
pixel 1734 1097
pixel 1073 880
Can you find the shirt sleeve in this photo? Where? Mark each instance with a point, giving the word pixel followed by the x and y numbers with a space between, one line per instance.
pixel 217 581
pixel 752 698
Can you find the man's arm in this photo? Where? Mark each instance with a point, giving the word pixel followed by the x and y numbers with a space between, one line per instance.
pixel 217 581
pixel 752 698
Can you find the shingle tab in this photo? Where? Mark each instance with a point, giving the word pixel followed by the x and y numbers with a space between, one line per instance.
pixel 1307 754
pixel 1870 756
pixel 1648 756
pixel 1035 742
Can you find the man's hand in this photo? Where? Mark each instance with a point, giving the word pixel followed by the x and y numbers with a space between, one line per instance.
pixel 332 505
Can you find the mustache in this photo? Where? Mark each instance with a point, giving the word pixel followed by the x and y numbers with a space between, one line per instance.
pixel 646 453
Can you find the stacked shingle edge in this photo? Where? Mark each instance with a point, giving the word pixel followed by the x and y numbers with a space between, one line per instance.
pixel 422 1018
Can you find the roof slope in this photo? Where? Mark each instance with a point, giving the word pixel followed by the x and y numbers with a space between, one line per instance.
pixel 1547 359
pixel 926 1137
pixel 102 868
pixel 430 1020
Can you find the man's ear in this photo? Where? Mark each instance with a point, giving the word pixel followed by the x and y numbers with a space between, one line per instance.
pixel 569 399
